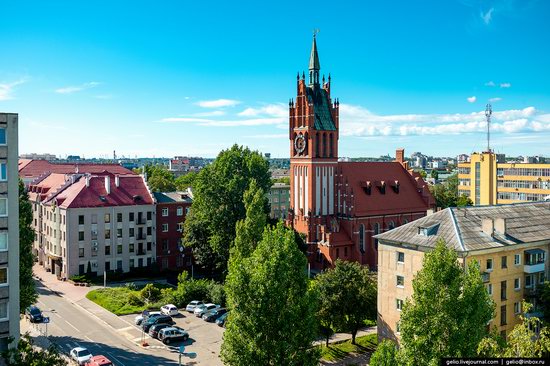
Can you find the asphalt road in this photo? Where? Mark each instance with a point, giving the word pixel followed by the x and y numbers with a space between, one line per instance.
pixel 71 326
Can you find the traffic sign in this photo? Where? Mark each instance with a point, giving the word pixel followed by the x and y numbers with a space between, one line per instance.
pixel 182 348
pixel 46 320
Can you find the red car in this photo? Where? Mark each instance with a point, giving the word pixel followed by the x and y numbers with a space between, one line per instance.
pixel 99 361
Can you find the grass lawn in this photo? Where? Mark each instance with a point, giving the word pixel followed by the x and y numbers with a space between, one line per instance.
pixel 115 299
pixel 338 351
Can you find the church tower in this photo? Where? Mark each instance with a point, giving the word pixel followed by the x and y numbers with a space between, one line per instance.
pixel 313 134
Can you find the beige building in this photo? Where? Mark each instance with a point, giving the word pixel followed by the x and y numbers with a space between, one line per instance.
pixel 9 230
pixel 510 242
pixel 279 200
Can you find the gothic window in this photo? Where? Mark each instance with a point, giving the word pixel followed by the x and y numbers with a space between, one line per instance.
pixel 331 146
pixel 376 232
pixel 306 137
pixel 391 225
pixel 324 145
pixel 362 238
pixel 317 143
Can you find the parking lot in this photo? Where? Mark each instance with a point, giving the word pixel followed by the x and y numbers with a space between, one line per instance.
pixel 204 338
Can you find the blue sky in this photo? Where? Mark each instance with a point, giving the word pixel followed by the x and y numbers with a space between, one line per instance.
pixel 191 78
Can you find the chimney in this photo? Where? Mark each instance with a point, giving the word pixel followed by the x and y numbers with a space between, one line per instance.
pixel 488 226
pixel 87 180
pixel 108 184
pixel 117 180
pixel 400 155
pixel 500 225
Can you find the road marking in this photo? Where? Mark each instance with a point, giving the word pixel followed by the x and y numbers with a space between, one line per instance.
pixel 75 328
pixel 88 338
pixel 114 358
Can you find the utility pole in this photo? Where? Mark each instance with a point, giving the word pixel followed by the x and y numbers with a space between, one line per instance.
pixel 488 112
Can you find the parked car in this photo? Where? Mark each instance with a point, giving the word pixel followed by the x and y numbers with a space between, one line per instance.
pixel 99 361
pixel 80 355
pixel 34 314
pixel 213 314
pixel 221 320
pixel 161 319
pixel 155 329
pixel 193 305
pixel 169 309
pixel 173 334
pixel 140 318
pixel 200 310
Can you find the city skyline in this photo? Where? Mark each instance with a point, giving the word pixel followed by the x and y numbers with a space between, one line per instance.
pixel 180 84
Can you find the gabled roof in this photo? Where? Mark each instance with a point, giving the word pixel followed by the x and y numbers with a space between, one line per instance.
pixel 36 168
pixel 462 230
pixel 172 197
pixel 412 194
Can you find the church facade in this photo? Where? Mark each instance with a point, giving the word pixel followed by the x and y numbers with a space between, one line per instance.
pixel 340 206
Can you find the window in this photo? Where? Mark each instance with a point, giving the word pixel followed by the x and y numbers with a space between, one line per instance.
pixel 107 234
pixel 164 245
pixel 131 248
pixel 362 238
pixel 81 252
pixel 140 262
pixel 529 281
pixel 164 228
pixel 541 277
pixel 165 211
pixel 80 219
pixel 3 206
pixel 2 136
pixel 517 284
pixel 376 232
pixel 149 215
pixel 119 217
pixel 119 233
pixel 3 310
pixel 149 244
pixel 503 290
pixel 94 219
pixel 107 218
pixel 188 208
pixel 3 240
pixel 131 262
pixel 400 257
pixel 149 230
pixel 119 265
pixel 180 211
pixel 131 232
pixel 391 225
pixel 490 289
pixel 3 171
pixel 489 264
pixel 400 281
pixel 397 327
pixel 503 315
pixel 503 262
pixel 107 250
pixel 119 249
pixel 180 226
pixel 3 276
pixel 517 307
pixel 399 304
pixel 81 235
pixel 517 259
pixel 107 266
pixel 131 216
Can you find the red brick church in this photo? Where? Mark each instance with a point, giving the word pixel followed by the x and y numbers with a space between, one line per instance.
pixel 340 206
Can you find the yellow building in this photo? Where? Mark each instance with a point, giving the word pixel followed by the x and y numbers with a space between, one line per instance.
pixel 488 180
pixel 509 242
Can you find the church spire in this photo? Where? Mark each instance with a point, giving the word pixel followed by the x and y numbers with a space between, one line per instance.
pixel 314 65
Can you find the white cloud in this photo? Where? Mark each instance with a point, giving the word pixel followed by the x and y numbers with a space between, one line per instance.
pixel 493 100
pixel 487 16
pixel 6 89
pixel 209 114
pixel 505 85
pixel 218 103
pixel 74 89
pixel 490 83
pixel 274 110
pixel 471 99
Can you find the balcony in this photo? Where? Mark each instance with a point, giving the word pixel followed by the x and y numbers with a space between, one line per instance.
pixel 534 261
pixel 486 277
pixel 533 268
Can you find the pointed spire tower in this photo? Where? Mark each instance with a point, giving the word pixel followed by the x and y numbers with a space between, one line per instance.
pixel 314 65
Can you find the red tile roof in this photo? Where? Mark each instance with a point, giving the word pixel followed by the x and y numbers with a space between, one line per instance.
pixel 35 168
pixel 412 195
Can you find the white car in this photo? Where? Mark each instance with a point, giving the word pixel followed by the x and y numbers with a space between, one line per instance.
pixel 139 318
pixel 80 355
pixel 193 305
pixel 200 310
pixel 169 309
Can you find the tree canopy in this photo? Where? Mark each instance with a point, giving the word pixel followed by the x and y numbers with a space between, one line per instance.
pixel 446 194
pixel 185 181
pixel 219 203
pixel 159 178
pixel 26 354
pixel 27 289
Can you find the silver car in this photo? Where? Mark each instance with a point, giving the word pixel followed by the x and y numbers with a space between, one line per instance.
pixel 193 305
pixel 200 310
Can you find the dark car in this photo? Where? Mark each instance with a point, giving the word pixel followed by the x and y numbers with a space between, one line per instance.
pixel 221 320
pixel 163 319
pixel 155 329
pixel 34 314
pixel 214 314
pixel 171 334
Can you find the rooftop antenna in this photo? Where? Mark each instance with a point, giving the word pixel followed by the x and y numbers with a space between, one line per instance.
pixel 488 112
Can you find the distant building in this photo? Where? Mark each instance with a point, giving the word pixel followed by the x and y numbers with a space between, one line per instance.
pixel 279 173
pixel 510 243
pixel 34 156
pixel 279 199
pixel 487 180
pixel 463 158
pixel 420 162
pixel 179 164
pixel 9 230
pixel 171 210
pixel 92 222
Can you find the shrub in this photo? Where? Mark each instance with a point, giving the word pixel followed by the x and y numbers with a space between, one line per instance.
pixel 150 293
pixel 134 300
pixel 216 293
pixel 167 296
pixel 131 286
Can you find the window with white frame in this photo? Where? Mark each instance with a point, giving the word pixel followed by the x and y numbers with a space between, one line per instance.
pixel 180 227
pixel 3 276
pixel 517 284
pixel 400 257
pixel 529 281
pixel 398 327
pixel 3 240
pixel 400 281
pixel 180 211
pixel 3 172
pixel 187 210
pixel 165 211
pixel 399 304
pixel 164 228
pixel 517 259
pixel 3 310
pixel 3 206
pixel 490 289
pixel 517 307
pixel 489 266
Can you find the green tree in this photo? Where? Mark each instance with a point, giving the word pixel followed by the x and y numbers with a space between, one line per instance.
pixel 463 200
pixel 26 354
pixel 448 312
pixel 434 174
pixel 160 179
pixel 218 204
pixel 284 180
pixel 251 228
pixel 386 354
pixel 27 289
pixel 272 319
pixel 184 181
pixel 446 194
pixel 150 293
pixel 422 173
pixel 347 297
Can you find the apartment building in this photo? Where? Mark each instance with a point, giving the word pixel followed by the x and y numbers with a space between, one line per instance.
pixel 510 242
pixel 171 210
pixel 92 223
pixel 279 200
pixel 488 180
pixel 9 229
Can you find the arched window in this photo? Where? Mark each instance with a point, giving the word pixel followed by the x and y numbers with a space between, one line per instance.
pixel 330 146
pixel 405 221
pixel 317 143
pixel 324 145
pixel 362 238
pixel 306 138
pixel 376 232
pixel 391 225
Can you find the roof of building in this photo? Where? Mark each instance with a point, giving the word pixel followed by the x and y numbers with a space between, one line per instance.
pixel 172 197
pixel 321 108
pixel 462 227
pixel 314 57
pixel 403 192
pixel 86 190
pixel 29 168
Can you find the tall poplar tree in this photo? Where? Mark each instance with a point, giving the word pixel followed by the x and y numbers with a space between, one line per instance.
pixel 27 289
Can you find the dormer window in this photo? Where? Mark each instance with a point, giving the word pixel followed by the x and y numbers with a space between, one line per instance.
pixel 396 186
pixel 382 187
pixel 428 230
pixel 367 186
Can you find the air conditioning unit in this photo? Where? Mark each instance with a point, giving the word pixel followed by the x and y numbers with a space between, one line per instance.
pixel 94 246
pixel 94 264
pixel 94 232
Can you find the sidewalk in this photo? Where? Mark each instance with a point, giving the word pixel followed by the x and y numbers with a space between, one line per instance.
pixel 39 339
pixel 339 337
